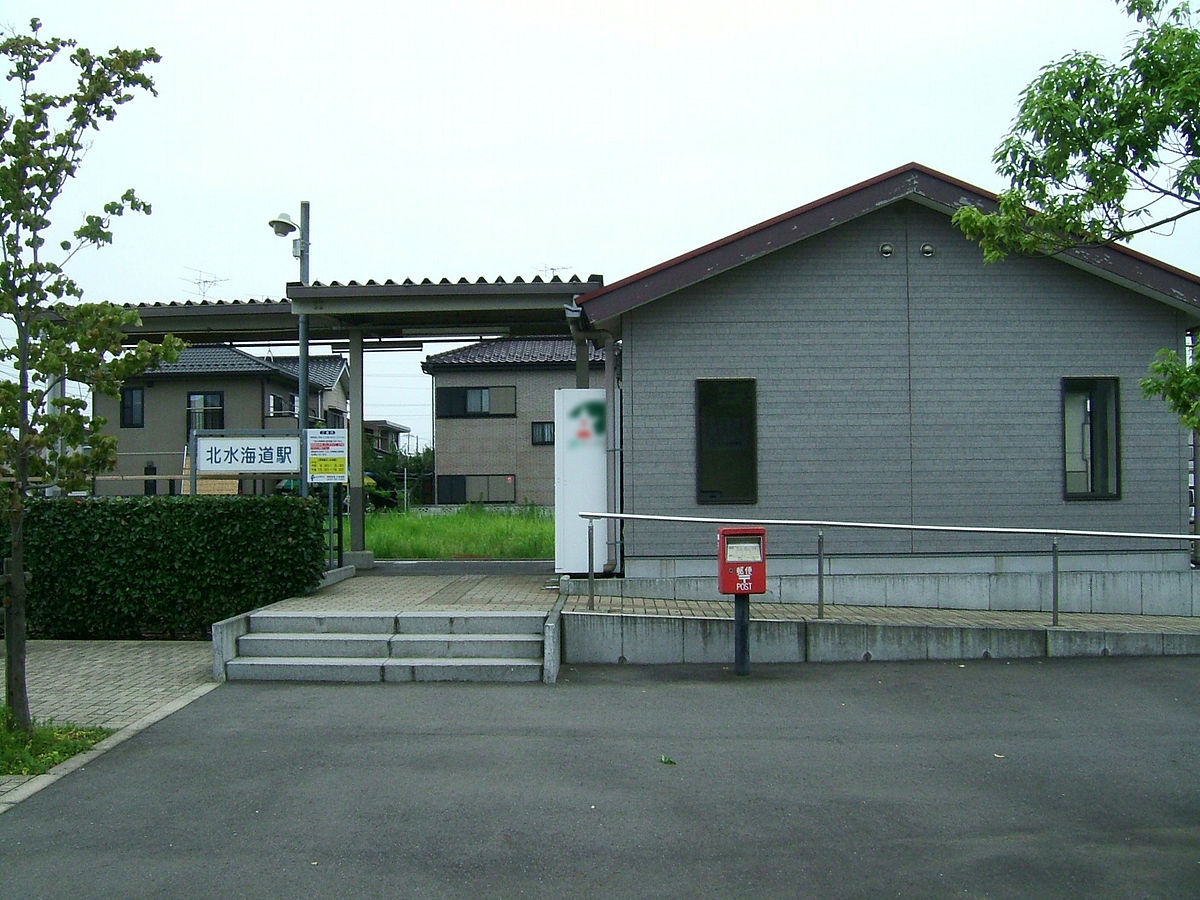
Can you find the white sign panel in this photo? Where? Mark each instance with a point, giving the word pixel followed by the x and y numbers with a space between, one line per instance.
pixel 580 478
pixel 327 456
pixel 248 454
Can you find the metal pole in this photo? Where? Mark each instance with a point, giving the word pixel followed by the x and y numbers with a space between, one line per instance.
pixel 302 412
pixel 331 487
pixel 192 445
pixel 591 563
pixel 340 560
pixel 741 634
pixel 820 573
pixel 1054 600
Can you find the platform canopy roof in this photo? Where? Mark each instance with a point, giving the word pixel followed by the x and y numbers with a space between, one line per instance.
pixel 390 311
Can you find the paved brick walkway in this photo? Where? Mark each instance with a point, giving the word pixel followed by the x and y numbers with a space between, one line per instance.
pixel 895 615
pixel 111 684
pixel 416 592
pixel 540 592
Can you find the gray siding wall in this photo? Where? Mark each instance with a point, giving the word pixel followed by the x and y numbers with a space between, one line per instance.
pixel 902 389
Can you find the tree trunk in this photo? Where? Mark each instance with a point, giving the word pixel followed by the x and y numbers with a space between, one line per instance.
pixel 16 694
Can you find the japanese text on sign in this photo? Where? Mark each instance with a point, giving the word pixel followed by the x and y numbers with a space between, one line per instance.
pixel 248 454
pixel 327 456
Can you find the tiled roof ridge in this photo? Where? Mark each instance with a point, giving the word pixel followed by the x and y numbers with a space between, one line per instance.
pixel 525 350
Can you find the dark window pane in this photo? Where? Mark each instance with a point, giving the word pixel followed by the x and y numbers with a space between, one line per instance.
pixel 726 441
pixel 1091 439
pixel 451 489
pixel 133 407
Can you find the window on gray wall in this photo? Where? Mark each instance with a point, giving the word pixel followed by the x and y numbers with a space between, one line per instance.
pixel 1091 439
pixel 133 407
pixel 543 432
pixel 726 440
pixel 473 402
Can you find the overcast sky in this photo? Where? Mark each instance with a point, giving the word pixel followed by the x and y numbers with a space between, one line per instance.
pixel 452 139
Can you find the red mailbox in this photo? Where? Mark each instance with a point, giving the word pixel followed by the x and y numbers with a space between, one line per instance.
pixel 742 559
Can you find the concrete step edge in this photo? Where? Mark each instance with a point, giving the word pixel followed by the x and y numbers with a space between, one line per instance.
pixel 476 636
pixel 450 661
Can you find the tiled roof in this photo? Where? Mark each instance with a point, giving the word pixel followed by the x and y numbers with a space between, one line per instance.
pixel 322 370
pixel 222 359
pixel 462 282
pixel 282 304
pixel 285 304
pixel 210 359
pixel 512 352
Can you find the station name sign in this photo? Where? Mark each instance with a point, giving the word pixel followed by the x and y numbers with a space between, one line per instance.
pixel 248 454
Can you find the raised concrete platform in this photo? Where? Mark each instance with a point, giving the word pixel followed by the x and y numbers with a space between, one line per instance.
pixel 875 634
pixel 1151 584
pixel 685 630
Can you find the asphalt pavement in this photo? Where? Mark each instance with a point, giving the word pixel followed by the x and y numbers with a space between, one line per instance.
pixel 1046 778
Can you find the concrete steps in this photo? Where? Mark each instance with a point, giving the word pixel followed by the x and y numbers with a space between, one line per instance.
pixel 372 647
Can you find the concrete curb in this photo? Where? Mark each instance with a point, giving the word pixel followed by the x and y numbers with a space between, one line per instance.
pixel 160 712
pixel 333 576
pixel 552 642
pixel 605 638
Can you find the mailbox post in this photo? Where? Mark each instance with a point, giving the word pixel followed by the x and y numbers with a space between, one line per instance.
pixel 741 571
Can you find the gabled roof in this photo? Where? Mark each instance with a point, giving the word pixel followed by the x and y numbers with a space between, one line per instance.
pixel 322 370
pixel 222 359
pixel 912 182
pixel 512 353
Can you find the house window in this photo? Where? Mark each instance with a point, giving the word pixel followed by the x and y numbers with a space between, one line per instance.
pixel 1091 439
pixel 726 441
pixel 133 407
pixel 335 418
pixel 543 433
pixel 278 405
pixel 477 489
pixel 476 402
pixel 205 411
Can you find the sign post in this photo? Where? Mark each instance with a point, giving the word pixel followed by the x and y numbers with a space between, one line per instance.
pixel 326 458
pixel 741 571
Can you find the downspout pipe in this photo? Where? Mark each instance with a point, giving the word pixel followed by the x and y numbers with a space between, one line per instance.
pixel 604 339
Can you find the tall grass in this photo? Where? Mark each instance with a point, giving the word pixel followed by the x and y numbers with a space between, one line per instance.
pixel 470 532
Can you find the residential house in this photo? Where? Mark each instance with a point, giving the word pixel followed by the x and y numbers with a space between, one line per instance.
pixel 494 417
pixel 211 387
pixel 855 360
pixel 383 436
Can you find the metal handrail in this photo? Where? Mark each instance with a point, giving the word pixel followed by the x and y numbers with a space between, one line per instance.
pixel 822 524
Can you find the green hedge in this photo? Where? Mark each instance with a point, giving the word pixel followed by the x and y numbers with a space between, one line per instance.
pixel 165 566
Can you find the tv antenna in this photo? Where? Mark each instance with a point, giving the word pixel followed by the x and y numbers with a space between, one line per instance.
pixel 204 282
pixel 549 271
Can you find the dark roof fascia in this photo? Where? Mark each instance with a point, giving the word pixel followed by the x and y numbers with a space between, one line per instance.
pixel 383 425
pixel 349 296
pixel 430 369
pixel 911 182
